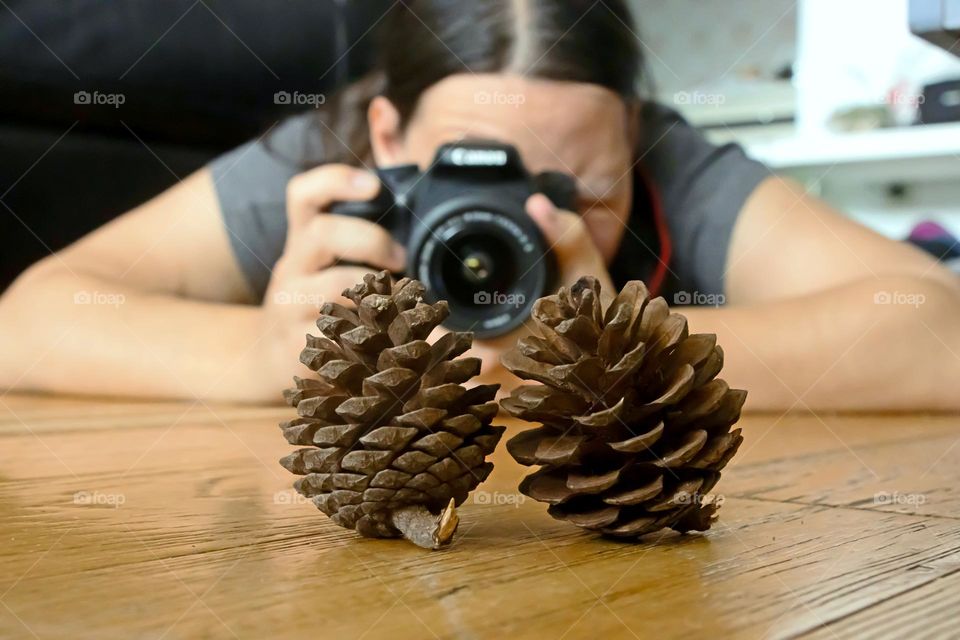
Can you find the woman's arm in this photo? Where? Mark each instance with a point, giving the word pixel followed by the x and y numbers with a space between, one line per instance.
pixel 857 322
pixel 149 305
pixel 825 314
pixel 152 304
pixel 837 350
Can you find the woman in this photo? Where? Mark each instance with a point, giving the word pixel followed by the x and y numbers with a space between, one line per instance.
pixel 558 80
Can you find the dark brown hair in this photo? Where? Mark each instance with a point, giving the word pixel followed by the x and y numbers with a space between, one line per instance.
pixel 421 42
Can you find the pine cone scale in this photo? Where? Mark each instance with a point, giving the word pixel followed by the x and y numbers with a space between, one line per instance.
pixel 639 443
pixel 636 495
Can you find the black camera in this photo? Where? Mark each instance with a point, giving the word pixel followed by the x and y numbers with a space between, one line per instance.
pixel 468 236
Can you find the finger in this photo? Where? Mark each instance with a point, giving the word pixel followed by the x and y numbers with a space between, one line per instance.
pixel 329 237
pixel 570 240
pixel 314 290
pixel 336 280
pixel 311 192
pixel 565 232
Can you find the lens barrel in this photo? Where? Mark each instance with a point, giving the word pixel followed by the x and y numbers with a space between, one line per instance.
pixel 489 261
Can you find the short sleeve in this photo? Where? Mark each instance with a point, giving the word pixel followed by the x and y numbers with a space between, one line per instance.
pixel 251 185
pixel 702 188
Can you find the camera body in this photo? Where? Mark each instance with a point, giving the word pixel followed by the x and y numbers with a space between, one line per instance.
pixel 467 234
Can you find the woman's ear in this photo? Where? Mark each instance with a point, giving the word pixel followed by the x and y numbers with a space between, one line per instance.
pixel 386 136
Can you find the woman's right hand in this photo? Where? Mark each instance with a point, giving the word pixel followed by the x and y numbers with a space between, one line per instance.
pixel 304 277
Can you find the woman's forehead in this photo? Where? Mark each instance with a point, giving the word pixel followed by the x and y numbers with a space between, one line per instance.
pixel 562 126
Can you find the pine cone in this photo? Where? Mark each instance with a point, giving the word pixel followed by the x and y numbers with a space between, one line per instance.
pixel 635 425
pixel 394 440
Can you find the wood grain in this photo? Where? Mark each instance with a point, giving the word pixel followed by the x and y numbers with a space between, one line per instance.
pixel 164 520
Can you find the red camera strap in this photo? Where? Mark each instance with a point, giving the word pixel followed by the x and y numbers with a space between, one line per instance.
pixel 659 275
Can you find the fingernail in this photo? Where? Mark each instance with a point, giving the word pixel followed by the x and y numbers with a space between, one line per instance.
pixel 540 207
pixel 365 180
pixel 544 204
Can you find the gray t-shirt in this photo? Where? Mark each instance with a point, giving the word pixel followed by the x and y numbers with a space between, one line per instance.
pixel 701 188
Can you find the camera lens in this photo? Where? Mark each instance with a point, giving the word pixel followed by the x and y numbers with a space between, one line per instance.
pixel 477 267
pixel 473 264
pixel 491 266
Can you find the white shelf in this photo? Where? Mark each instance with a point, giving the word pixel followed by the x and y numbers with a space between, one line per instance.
pixel 732 102
pixel 883 145
pixel 922 153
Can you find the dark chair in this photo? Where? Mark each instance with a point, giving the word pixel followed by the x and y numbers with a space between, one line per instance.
pixel 103 105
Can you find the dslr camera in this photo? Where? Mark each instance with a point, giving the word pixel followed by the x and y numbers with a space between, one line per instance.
pixel 469 239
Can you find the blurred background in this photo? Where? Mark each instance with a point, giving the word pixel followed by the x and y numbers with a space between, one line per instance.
pixel 858 99
pixel 104 105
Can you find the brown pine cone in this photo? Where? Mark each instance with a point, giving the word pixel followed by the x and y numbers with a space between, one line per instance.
pixel 394 440
pixel 635 425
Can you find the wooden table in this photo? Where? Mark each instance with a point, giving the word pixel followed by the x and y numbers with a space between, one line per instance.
pixel 127 520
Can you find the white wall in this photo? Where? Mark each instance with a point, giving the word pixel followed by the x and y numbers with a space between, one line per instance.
pixel 849 54
pixel 854 52
pixel 694 43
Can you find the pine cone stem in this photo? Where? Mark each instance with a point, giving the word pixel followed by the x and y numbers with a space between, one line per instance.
pixel 424 529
